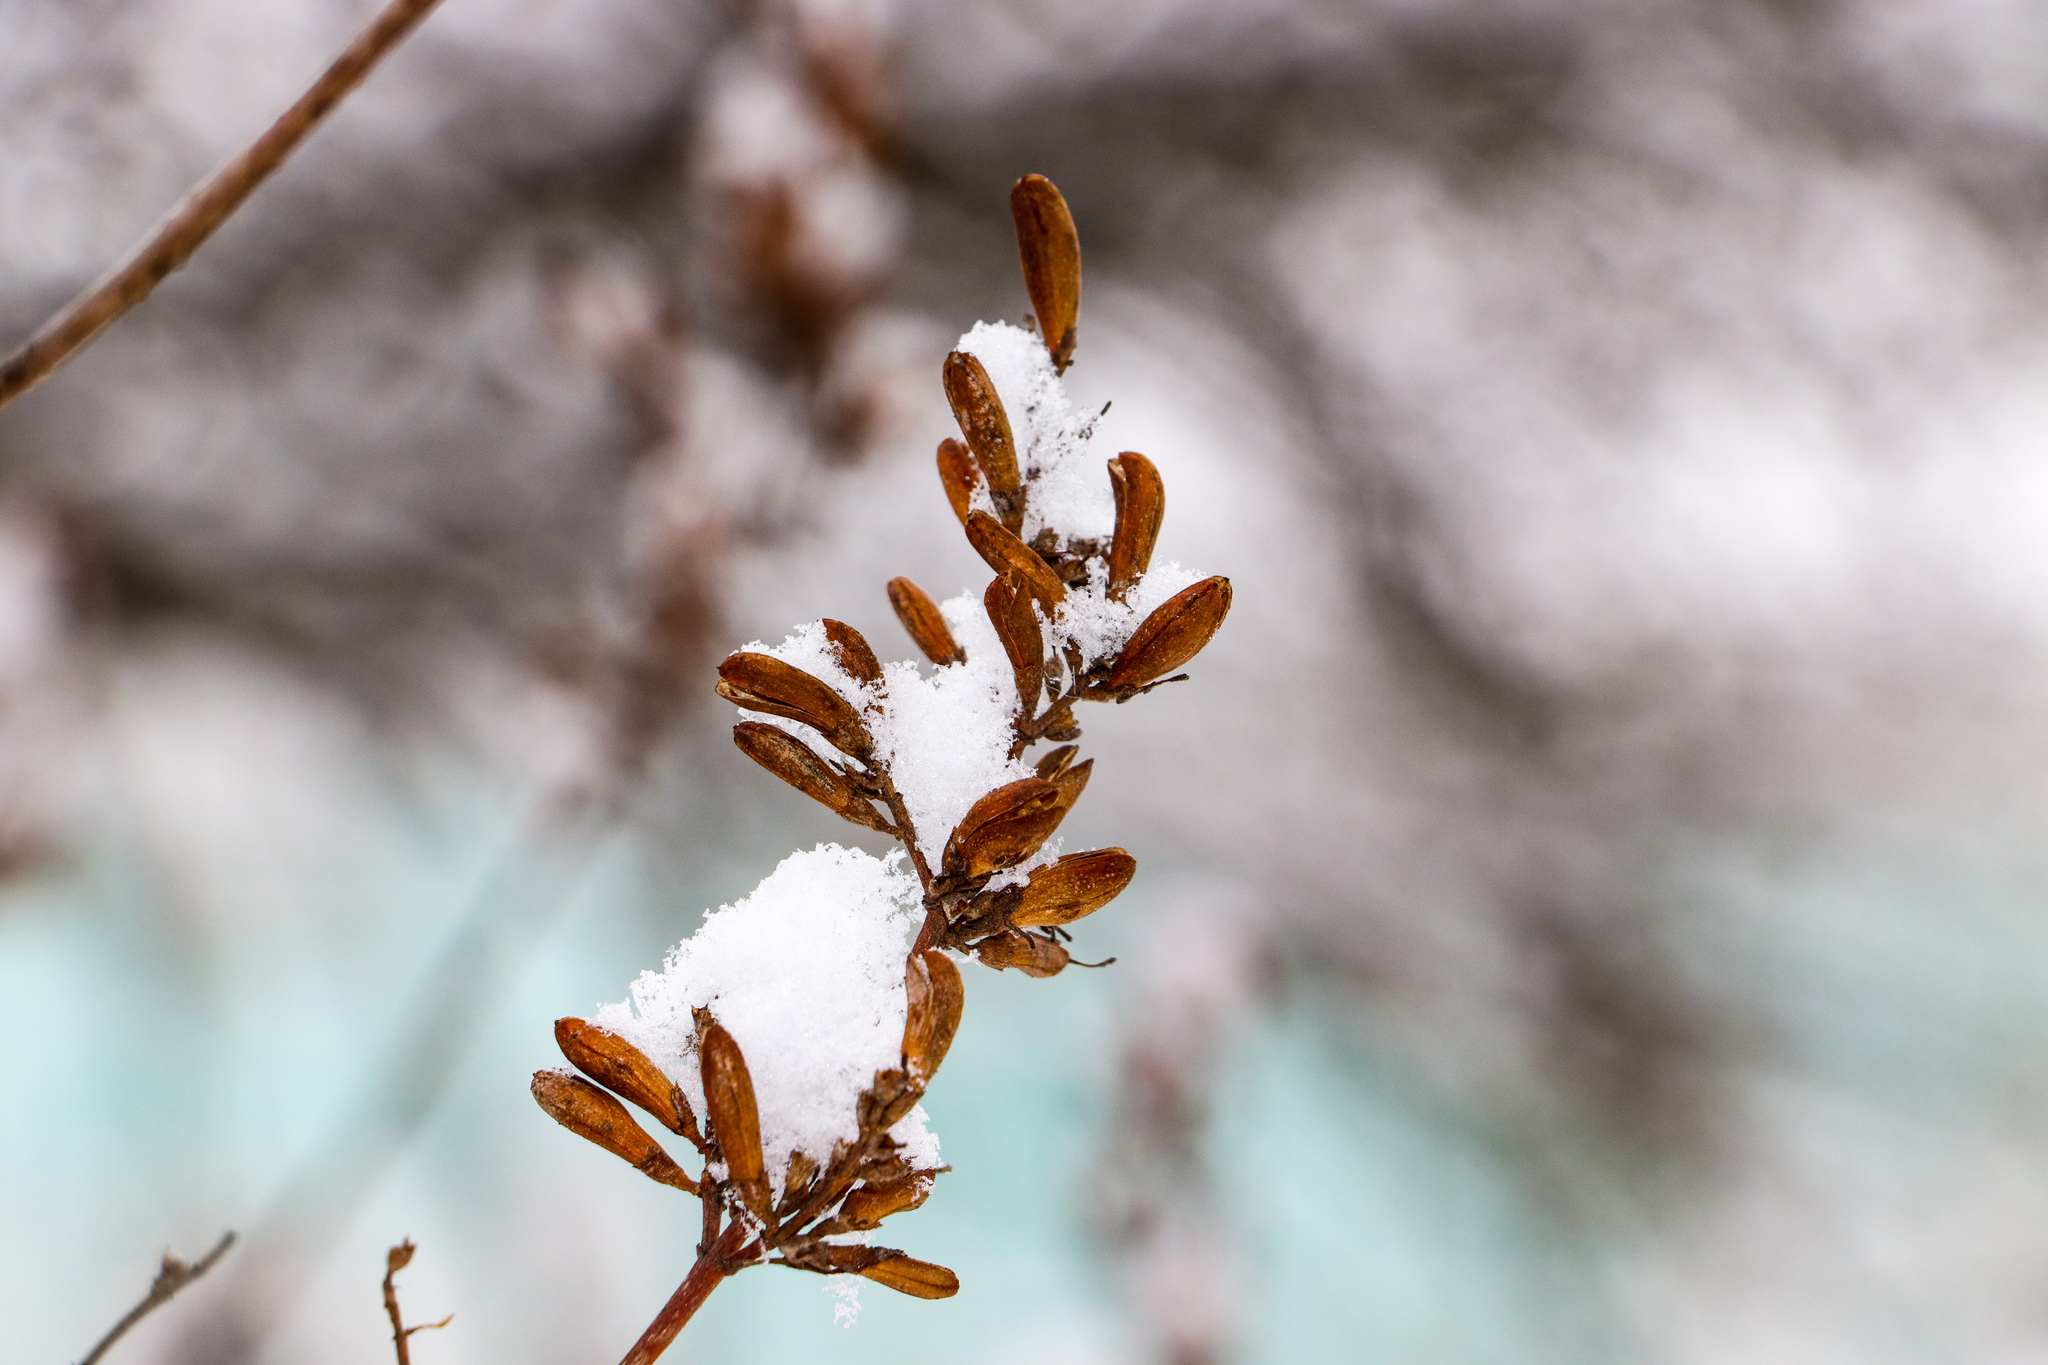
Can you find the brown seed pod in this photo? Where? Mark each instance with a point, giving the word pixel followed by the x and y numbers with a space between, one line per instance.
pixel 625 1070
pixel 1140 504
pixel 1072 781
pixel 796 1181
pixel 1056 762
pixel 1172 635
pixel 590 1113
pixel 735 1120
pixel 850 648
pixel 790 759
pixel 1028 953
pixel 1009 608
pixel 1050 251
pixel 1074 887
pixel 979 411
pixel 908 1275
pixel 924 622
pixel 937 997
pixel 1004 828
pixel 760 682
pixel 960 475
pixel 867 1206
pixel 1004 553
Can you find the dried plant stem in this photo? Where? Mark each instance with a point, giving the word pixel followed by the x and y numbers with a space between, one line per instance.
pixel 173 243
pixel 397 1259
pixel 171 1277
pixel 713 1264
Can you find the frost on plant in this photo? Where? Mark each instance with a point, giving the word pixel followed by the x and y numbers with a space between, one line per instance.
pixel 790 1038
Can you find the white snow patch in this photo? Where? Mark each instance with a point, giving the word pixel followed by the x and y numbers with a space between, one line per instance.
pixel 1068 487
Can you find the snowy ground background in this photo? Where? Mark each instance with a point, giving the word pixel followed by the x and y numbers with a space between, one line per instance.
pixel 1593 895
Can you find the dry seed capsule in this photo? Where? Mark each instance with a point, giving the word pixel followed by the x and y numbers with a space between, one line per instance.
pixel 850 648
pixel 867 1206
pixel 790 759
pixel 908 1275
pixel 590 1113
pixel 1072 781
pixel 924 622
pixel 1076 886
pixel 979 411
pixel 1173 634
pixel 1140 505
pixel 625 1070
pixel 1009 610
pixel 960 476
pixel 1004 553
pixel 1028 953
pixel 735 1119
pixel 1004 828
pixel 1049 249
pixel 1055 763
pixel 937 997
pixel 760 682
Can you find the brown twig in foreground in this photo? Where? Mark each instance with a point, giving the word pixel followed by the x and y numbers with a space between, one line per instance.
pixel 395 1260
pixel 172 1276
pixel 173 243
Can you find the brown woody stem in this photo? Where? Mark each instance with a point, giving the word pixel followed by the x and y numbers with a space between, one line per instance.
pixel 171 1277
pixel 173 243
pixel 716 1262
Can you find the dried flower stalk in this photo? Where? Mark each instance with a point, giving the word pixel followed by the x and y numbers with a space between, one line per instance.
pixel 991 890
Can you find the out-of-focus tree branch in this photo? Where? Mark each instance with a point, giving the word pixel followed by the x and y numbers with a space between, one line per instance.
pixel 172 1276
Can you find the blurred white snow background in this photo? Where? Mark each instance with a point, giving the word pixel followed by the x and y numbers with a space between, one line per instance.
pixel 1593 895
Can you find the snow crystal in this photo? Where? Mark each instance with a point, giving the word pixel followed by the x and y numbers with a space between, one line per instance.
pixel 1098 624
pixel 846 1290
pixel 1069 487
pixel 807 975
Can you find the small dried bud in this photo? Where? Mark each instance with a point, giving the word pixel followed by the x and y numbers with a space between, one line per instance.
pixel 796 1180
pixel 850 648
pixel 867 1206
pixel 1055 763
pixel 979 411
pixel 399 1257
pixel 921 618
pixel 1009 609
pixel 1004 828
pixel 1140 504
pixel 908 1275
pixel 590 1113
pixel 790 759
pixel 735 1120
pixel 1072 781
pixel 1004 553
pixel 960 476
pixel 1050 251
pixel 1173 634
pixel 1028 953
pixel 937 997
pixel 1076 886
pixel 625 1070
pixel 760 682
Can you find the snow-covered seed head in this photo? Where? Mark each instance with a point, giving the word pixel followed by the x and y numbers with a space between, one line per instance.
pixel 1030 954
pixel 1004 553
pixel 790 759
pixel 960 476
pixel 592 1114
pixel 908 1275
pixel 1008 604
pixel 1140 506
pixel 1173 634
pixel 759 682
pixel 924 623
pixel 735 1118
pixel 1050 251
pixel 1074 887
pixel 850 649
pixel 625 1070
pixel 1004 827
pixel 979 411
pixel 936 998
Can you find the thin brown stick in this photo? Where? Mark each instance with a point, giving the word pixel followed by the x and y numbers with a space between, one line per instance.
pixel 395 1260
pixel 713 1265
pixel 172 1276
pixel 174 241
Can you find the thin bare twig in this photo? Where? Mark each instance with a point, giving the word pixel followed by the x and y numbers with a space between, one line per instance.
pixel 181 234
pixel 172 1276
pixel 715 1263
pixel 395 1260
